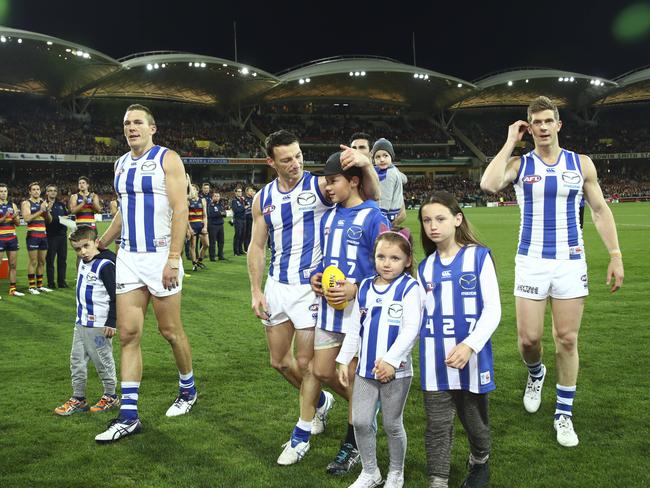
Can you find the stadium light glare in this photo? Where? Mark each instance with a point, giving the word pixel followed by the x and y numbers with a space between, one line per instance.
pixel 526 81
pixel 3 39
pixel 244 70
pixel 572 79
pixel 163 65
pixel 20 41
pixel 149 67
pixel 301 81
pixel 86 56
pixel 49 43
pixel 203 65
pixel 68 50
pixel 156 66
pixel 356 73
pixel 415 75
pixel 189 64
pixel 459 85
pixel 510 83
pixel 196 65
pixel 225 65
pixel 351 73
pixel 426 77
pixel 255 74
pixel 363 73
pixel 560 79
pixel 307 80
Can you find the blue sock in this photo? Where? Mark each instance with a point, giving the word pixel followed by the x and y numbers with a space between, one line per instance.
pixel 321 399
pixel 301 432
pixel 535 370
pixel 186 384
pixel 564 401
pixel 129 403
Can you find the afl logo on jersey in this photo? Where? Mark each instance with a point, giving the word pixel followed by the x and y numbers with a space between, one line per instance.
pixel 148 165
pixel 306 198
pixel 530 179
pixel 355 232
pixel 467 281
pixel 268 209
pixel 395 310
pixel 430 286
pixel 571 177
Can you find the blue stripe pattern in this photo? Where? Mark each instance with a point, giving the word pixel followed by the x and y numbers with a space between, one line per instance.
pixel 308 237
pixel 147 190
pixel 287 230
pixel 527 222
pixel 372 330
pixel 550 199
pixel 131 202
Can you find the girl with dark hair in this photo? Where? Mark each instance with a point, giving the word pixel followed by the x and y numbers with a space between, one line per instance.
pixel 462 309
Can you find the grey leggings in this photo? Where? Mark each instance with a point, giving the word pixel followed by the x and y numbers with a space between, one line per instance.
pixel 364 400
pixel 90 344
pixel 440 408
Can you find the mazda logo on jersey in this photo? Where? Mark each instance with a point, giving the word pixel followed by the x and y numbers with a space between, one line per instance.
pixel 91 277
pixel 467 281
pixel 530 179
pixel 571 177
pixel 148 165
pixel 355 232
pixel 306 198
pixel 268 209
pixel 313 307
pixel 395 310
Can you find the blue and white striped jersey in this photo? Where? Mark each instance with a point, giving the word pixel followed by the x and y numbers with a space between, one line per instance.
pixel 293 220
pixel 348 237
pixel 96 291
pixel 142 197
pixel 385 324
pixel 549 199
pixel 461 304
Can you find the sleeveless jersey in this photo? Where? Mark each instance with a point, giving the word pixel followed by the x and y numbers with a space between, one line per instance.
pixel 85 216
pixel 7 228
pixel 93 300
pixel 36 228
pixel 293 220
pixel 348 237
pixel 452 305
pixel 196 211
pixel 146 214
pixel 381 315
pixel 549 200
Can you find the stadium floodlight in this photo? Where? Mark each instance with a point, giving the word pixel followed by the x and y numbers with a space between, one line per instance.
pixel 190 64
pixel 86 56
pixel 415 75
pixel 572 79
pixel 49 43
pixel 510 83
pixel 163 65
pixel 307 80
pixel 149 67
pixel 351 73
pixel 196 65
pixel 20 41
pixel 301 81
pixel 225 65
pixel 459 85
pixel 426 77
pixel 526 81
pixel 356 73
pixel 255 74
pixel 363 73
pixel 156 66
pixel 68 50
pixel 244 70
pixel 560 79
pixel 203 65
pixel 3 39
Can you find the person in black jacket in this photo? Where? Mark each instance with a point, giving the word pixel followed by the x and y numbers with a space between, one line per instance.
pixel 248 228
pixel 216 213
pixel 238 206
pixel 57 247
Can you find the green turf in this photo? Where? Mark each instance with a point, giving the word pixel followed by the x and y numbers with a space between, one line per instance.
pixel 246 411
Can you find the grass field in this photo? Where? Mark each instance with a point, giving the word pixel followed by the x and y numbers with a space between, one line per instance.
pixel 246 411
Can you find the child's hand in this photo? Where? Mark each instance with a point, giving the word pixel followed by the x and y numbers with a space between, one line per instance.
pixel 383 371
pixel 458 356
pixel 343 374
pixel 316 282
pixel 109 331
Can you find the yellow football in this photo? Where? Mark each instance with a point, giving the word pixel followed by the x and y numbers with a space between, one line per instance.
pixel 331 275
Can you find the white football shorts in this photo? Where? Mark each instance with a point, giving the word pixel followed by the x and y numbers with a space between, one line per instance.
pixel 136 269
pixel 538 278
pixel 297 303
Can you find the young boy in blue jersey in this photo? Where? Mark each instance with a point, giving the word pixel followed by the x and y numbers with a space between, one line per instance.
pixel 348 234
pixel 386 321
pixel 95 323
pixel 462 309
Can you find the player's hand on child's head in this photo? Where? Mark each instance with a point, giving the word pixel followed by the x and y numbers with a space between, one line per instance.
pixel 517 130
pixel 316 282
pixel 343 375
pixel 351 157
pixel 458 356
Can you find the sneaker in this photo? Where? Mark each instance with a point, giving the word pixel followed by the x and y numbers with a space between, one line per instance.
pixel 533 393
pixel 201 265
pixel 72 406
pixel 346 459
pixel 16 293
pixel 291 455
pixel 320 419
pixel 182 405
pixel 367 480
pixel 394 479
pixel 194 267
pixel 478 477
pixel 566 436
pixel 118 428
pixel 33 291
pixel 44 289
pixel 106 402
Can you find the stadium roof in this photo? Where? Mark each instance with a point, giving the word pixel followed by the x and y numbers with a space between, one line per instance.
pixel 45 65
pixel 520 86
pixel 369 79
pixel 633 87
pixel 182 77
